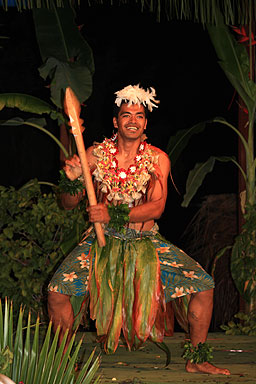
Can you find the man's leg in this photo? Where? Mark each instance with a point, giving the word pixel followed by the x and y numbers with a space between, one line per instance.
pixel 61 313
pixel 199 318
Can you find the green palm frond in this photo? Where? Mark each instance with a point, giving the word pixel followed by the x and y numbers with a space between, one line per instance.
pixel 31 363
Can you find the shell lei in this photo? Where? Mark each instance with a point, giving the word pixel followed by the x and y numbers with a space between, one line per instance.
pixel 126 293
pixel 121 185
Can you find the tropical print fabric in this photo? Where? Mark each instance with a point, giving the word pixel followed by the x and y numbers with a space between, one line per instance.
pixel 180 274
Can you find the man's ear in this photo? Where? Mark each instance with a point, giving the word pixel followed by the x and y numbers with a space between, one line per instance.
pixel 145 126
pixel 115 122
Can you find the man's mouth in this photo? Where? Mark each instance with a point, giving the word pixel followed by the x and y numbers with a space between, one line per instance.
pixel 132 128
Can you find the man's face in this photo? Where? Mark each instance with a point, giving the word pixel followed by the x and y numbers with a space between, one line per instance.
pixel 131 121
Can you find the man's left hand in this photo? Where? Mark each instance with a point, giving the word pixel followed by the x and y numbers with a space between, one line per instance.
pixel 98 213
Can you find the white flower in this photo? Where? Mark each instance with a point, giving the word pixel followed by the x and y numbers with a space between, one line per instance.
pixel 123 175
pixel 132 169
pixel 113 150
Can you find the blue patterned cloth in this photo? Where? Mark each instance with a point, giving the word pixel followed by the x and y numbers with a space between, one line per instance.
pixel 180 274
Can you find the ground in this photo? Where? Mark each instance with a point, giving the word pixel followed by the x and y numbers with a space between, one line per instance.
pixel 146 366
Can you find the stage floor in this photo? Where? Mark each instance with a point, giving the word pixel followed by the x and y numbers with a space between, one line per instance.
pixel 237 353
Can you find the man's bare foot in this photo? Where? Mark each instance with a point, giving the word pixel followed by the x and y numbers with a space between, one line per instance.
pixel 205 368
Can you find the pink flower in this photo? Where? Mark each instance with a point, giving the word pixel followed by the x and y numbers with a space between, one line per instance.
pixel 53 289
pixel 82 257
pixel 190 275
pixel 69 276
pixel 178 292
pixel 190 290
pixel 175 265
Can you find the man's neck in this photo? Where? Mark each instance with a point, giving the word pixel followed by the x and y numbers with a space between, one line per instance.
pixel 128 148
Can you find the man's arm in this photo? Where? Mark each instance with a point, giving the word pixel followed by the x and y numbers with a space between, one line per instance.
pixel 157 195
pixel 73 170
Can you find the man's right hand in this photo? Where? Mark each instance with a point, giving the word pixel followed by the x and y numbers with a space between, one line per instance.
pixel 73 168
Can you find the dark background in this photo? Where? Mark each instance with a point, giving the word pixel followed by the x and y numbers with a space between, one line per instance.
pixel 129 47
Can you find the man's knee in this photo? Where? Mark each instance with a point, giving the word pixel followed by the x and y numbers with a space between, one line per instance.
pixel 56 299
pixel 205 296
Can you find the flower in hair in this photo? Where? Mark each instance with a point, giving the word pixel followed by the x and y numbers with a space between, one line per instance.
pixel 133 94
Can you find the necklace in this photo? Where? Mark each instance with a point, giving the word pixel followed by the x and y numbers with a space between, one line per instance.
pixel 118 183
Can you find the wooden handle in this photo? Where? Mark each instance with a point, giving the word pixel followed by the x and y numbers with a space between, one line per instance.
pixel 72 109
pixel 89 188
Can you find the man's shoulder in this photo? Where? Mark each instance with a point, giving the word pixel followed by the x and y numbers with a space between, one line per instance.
pixel 157 151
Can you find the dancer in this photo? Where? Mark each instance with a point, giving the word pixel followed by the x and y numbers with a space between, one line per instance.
pixel 131 279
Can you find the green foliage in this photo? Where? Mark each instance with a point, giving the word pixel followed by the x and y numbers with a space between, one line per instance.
pixel 35 235
pixel 26 103
pixel 180 140
pixel 38 123
pixel 243 258
pixel 198 354
pixel 33 363
pixel 243 324
pixel 67 58
pixel 119 216
pixel 72 187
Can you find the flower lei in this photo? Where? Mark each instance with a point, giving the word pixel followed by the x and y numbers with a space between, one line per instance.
pixel 121 184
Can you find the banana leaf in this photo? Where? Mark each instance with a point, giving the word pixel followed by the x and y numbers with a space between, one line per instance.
pixel 234 60
pixel 178 142
pixel 67 57
pixel 36 123
pixel 26 103
pixel 197 175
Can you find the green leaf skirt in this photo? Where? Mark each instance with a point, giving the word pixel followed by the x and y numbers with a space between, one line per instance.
pixel 129 282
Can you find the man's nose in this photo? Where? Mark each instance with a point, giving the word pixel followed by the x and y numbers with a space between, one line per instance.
pixel 132 118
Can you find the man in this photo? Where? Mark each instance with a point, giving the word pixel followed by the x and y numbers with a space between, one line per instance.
pixel 130 278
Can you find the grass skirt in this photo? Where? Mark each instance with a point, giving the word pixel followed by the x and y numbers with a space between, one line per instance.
pixel 129 282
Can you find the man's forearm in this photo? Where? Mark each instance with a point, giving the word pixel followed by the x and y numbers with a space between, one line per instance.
pixel 70 201
pixel 151 210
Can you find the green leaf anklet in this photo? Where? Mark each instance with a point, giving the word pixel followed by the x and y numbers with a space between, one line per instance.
pixel 72 187
pixel 119 216
pixel 201 353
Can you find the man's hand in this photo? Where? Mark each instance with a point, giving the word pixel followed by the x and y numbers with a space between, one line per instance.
pixel 73 168
pixel 98 213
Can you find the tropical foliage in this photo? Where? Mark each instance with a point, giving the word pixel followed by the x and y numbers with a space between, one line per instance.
pixel 30 357
pixel 35 235
pixel 237 65
pixel 243 324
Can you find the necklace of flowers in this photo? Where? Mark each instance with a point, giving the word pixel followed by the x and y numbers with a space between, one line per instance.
pixel 126 185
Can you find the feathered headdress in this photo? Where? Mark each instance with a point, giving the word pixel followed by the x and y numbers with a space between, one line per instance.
pixel 133 94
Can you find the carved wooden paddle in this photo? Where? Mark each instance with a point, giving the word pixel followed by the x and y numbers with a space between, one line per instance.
pixel 73 109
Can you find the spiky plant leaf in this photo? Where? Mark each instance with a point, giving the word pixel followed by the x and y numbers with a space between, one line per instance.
pixel 94 367
pixel 26 351
pixel 55 369
pixel 1 326
pixel 43 355
pixel 50 365
pixel 50 359
pixel 18 348
pixel 33 355
pixel 6 323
